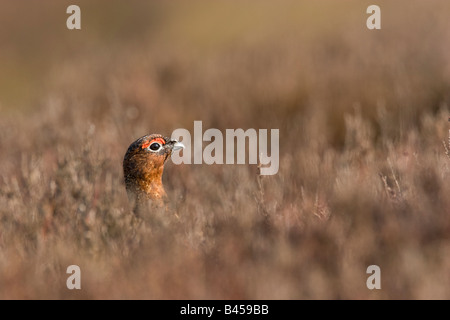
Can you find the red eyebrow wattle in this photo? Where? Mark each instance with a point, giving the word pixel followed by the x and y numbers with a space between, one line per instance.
pixel 148 143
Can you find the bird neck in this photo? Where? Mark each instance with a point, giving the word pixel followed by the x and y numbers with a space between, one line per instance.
pixel 151 184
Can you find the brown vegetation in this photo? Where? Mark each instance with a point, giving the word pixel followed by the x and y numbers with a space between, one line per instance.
pixel 363 179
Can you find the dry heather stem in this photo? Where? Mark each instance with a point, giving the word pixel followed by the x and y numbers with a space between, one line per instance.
pixel 447 147
pixel 260 197
pixel 390 192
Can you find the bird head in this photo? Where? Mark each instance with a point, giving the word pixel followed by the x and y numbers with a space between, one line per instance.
pixel 143 166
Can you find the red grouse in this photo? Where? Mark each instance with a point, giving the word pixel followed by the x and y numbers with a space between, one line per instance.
pixel 143 166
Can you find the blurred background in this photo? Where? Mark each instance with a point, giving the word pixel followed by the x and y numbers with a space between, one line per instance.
pixel 363 125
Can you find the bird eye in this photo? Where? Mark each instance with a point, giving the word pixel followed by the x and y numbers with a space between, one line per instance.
pixel 155 146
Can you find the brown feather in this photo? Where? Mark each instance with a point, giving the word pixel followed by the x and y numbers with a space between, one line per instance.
pixel 143 170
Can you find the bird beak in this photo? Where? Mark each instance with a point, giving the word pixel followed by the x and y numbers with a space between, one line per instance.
pixel 176 145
